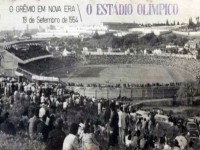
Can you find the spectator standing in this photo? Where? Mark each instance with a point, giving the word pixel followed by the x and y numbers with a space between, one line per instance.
pixel 89 141
pixel 56 136
pixel 114 128
pixel 33 125
pixel 99 108
pixel 122 125
pixel 42 111
pixel 71 140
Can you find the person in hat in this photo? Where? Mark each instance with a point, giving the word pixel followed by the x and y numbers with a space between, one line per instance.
pixel 42 99
pixel 42 110
pixel 71 140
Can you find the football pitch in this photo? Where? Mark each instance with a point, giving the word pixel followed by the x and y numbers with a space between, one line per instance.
pixel 137 74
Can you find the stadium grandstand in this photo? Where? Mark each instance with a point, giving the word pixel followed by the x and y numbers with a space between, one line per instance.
pixel 32 60
pixel 27 51
pixel 16 56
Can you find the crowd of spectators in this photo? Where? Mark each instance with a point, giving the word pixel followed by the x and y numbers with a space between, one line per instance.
pixel 51 114
pixel 190 65
pixel 124 85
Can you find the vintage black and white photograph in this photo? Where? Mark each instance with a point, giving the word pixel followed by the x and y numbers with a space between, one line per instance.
pixel 99 75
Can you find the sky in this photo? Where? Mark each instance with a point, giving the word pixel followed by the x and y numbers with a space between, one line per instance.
pixel 10 20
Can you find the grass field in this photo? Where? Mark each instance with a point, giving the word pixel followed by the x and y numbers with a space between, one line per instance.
pixel 127 74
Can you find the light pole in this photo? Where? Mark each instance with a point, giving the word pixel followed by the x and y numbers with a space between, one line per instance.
pixel 120 92
pixel 107 89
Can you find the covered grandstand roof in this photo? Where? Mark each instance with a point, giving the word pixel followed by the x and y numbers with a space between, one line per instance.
pixel 22 42
pixel 27 51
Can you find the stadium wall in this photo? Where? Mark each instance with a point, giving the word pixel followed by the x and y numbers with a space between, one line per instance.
pixel 133 93
pixel 187 56
pixel 194 34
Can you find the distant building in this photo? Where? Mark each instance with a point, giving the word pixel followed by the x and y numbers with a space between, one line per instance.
pixel 99 51
pixel 157 52
pixel 127 52
pixel 66 53
pixel 147 30
pixel 85 51
pixel 171 46
pixel 73 31
pixel 110 49
pixel 194 44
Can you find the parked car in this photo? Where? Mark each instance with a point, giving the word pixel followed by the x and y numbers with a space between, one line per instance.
pixel 193 135
pixel 195 119
pixel 191 126
pixel 163 119
pixel 142 114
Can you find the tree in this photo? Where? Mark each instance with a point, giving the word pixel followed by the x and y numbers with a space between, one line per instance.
pixel 130 40
pixel 197 18
pixel 178 23
pixel 96 35
pixel 154 41
pixel 174 23
pixel 117 42
pixel 191 23
pixel 187 91
pixel 167 22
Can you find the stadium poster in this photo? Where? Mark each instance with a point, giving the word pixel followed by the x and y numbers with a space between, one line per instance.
pixel 65 62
